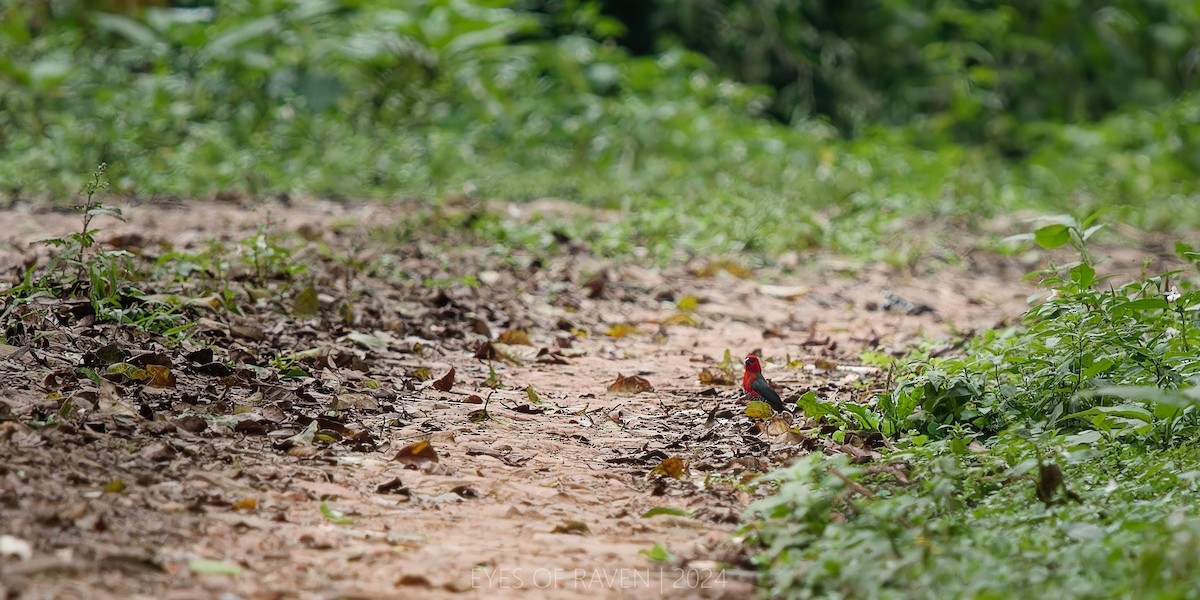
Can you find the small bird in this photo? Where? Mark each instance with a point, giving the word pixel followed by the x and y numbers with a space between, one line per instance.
pixel 756 385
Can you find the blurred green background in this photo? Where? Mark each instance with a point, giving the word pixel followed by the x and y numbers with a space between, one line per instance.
pixel 714 126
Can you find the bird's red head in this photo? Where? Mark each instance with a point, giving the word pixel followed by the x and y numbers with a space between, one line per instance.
pixel 752 364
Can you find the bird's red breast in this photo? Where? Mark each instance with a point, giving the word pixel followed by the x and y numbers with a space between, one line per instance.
pixel 753 370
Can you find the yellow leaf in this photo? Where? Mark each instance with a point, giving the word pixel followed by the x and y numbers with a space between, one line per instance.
pixel 621 330
pixel 672 467
pixel 246 504
pixel 759 410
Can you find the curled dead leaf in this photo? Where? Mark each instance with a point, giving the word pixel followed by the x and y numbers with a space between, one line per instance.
pixel 413 455
pixel 446 382
pixel 634 384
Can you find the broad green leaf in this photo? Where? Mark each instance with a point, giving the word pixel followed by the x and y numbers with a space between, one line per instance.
pixel 1052 236
pixel 130 29
pixel 221 46
pixel 1128 411
pixel 814 408
pixel 1142 304
pixel 1083 275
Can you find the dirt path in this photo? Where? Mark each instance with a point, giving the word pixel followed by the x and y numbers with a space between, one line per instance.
pixel 214 485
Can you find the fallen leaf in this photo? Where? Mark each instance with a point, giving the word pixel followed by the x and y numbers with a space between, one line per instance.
pixel 784 292
pixel 446 382
pixel 304 438
pixel 514 337
pixel 395 486
pixel 355 400
pixel 465 492
pixel 371 342
pixel 124 371
pixel 658 553
pixel 664 510
pixel 718 377
pixel 687 303
pixel 206 566
pixel 825 364
pixel 682 319
pixel 305 305
pixel 672 467
pixel 160 376
pixel 249 332
pixel 246 504
pixel 334 515
pixel 633 384
pixel 571 527
pixel 778 425
pixel 415 454
pixel 514 354
pixel 621 330
pixel 758 409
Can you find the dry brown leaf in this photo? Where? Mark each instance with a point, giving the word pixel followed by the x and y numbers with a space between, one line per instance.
pixel 355 400
pixel 672 467
pixel 634 384
pixel 160 376
pixel 572 527
pixel 415 454
pixel 249 332
pixel 446 382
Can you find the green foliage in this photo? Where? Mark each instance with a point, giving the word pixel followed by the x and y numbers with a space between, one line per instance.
pixel 977 71
pixel 441 98
pixel 1051 459
pixel 1067 364
pixel 971 524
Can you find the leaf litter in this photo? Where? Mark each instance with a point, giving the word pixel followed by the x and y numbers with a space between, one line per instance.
pixel 119 446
